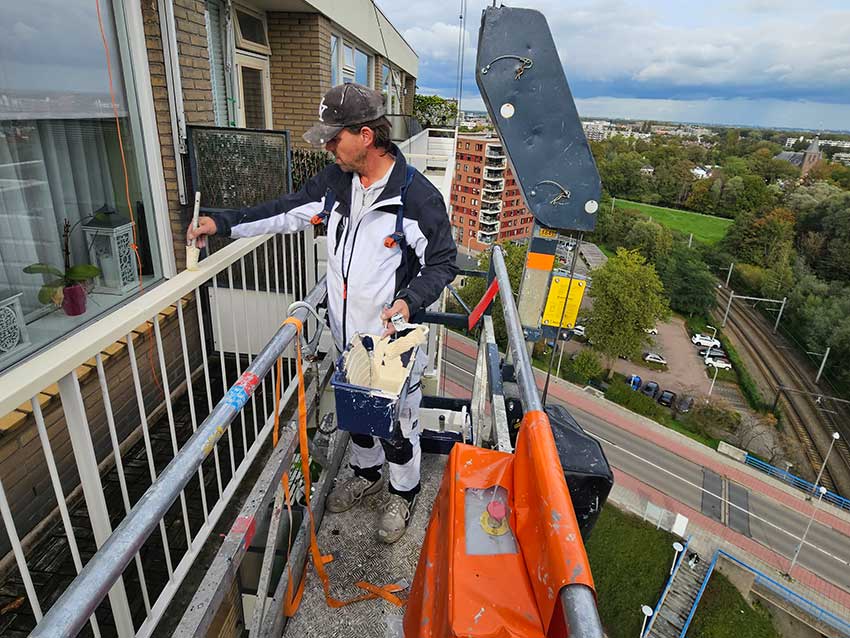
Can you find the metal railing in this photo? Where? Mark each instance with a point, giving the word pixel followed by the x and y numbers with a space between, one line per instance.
pixel 663 596
pixel 801 602
pixel 577 601
pixel 238 293
pixel 795 481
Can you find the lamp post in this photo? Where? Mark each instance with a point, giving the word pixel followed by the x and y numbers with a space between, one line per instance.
pixel 835 437
pixel 821 492
pixel 713 380
pixel 647 612
pixel 679 549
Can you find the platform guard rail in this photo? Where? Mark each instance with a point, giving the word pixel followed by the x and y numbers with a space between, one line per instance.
pixel 795 481
pixel 72 610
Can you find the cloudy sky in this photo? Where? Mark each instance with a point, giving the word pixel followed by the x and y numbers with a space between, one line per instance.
pixel 750 62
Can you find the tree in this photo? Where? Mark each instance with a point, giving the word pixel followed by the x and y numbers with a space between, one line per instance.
pixel 627 300
pixel 433 111
pixel 650 238
pixel 586 365
pixel 688 282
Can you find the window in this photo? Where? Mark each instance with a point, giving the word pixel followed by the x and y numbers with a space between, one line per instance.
pixel 474 202
pixel 217 48
pixel 335 69
pixel 479 147
pixel 471 222
pixel 60 165
pixel 462 199
pixel 250 29
pixel 466 167
pixel 362 66
pixel 466 146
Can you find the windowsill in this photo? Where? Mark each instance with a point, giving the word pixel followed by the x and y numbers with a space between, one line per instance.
pixel 57 326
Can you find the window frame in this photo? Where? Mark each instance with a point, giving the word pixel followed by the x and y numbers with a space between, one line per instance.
pixel 241 41
pixel 348 72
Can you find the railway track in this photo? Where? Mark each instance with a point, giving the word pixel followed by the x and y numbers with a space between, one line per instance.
pixel 811 424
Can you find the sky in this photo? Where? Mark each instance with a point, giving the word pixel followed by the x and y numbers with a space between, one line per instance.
pixel 774 63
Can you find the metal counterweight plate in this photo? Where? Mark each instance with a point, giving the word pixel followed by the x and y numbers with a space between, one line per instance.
pixel 522 81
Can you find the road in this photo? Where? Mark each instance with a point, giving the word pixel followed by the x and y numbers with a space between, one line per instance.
pixel 770 523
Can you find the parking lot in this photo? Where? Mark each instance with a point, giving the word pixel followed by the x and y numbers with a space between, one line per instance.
pixel 685 372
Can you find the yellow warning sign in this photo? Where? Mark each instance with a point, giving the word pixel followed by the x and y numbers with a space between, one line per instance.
pixel 555 301
pixel 548 234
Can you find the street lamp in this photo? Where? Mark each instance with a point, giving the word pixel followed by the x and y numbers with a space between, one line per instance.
pixel 679 549
pixel 713 380
pixel 821 492
pixel 647 612
pixel 835 437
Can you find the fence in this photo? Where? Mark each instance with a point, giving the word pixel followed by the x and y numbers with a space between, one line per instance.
pixel 795 481
pixel 239 292
pixel 804 604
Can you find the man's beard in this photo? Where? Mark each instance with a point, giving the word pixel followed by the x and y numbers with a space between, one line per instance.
pixel 355 165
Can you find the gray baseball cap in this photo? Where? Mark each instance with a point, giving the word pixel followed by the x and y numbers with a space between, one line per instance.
pixel 344 105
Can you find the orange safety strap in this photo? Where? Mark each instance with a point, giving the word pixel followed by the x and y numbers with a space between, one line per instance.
pixel 292 601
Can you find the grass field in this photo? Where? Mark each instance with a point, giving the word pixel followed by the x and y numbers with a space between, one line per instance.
pixel 630 560
pixel 706 228
pixel 723 613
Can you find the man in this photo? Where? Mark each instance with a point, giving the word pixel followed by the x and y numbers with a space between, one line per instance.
pixel 369 279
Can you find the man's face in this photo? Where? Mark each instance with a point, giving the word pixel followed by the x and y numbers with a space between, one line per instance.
pixel 349 149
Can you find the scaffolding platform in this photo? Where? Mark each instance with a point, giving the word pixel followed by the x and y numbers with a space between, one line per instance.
pixel 359 555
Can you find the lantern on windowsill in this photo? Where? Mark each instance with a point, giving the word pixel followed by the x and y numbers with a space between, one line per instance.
pixel 109 238
pixel 13 330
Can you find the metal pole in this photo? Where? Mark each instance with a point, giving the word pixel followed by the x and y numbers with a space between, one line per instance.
pixel 578 601
pixel 729 276
pixel 835 437
pixel 779 316
pixel 690 240
pixel 711 389
pixel 776 398
pixel 728 308
pixel 677 547
pixel 561 356
pixel 821 491
pixel 71 612
pixel 822 365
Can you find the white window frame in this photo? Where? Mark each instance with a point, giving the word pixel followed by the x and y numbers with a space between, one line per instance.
pixel 348 72
pixel 131 13
pixel 261 63
pixel 242 42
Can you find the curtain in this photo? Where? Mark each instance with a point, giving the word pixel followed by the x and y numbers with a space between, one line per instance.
pixel 50 171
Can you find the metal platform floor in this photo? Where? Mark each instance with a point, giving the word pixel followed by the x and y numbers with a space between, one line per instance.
pixel 358 555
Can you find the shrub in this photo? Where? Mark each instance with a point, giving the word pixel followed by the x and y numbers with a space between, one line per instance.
pixel 622 394
pixel 709 418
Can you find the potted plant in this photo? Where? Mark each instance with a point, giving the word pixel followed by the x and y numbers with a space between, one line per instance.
pixel 68 289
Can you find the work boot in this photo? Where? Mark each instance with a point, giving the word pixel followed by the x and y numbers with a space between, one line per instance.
pixel 348 493
pixel 395 516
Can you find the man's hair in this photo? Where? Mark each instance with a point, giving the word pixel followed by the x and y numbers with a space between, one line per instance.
pixel 382 130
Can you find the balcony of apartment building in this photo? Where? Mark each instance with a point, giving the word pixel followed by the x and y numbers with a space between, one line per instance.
pixel 494 174
pixel 488 235
pixel 102 385
pixel 495 151
pixel 495 164
pixel 492 198
pixel 492 184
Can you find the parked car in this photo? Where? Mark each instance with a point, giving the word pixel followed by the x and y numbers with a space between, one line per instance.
pixel 712 352
pixel 650 389
pixel 634 382
pixel 717 362
pixel 651 331
pixel 579 330
pixel 654 357
pixel 667 398
pixel 684 404
pixel 705 340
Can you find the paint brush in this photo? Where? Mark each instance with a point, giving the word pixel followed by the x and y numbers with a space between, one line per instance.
pixel 192 250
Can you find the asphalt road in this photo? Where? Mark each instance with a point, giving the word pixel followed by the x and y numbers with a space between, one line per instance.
pixel 774 525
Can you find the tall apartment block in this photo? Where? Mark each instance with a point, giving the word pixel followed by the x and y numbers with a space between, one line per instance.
pixel 487 206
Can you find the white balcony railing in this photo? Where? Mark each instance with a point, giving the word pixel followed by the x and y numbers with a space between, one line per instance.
pixel 187 340
pixel 494 151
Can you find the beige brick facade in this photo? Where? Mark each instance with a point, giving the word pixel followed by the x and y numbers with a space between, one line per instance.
pixel 300 69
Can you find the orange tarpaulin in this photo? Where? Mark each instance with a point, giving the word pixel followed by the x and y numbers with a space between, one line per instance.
pixel 513 590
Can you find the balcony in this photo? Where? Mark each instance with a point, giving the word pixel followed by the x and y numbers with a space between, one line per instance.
pixel 491 207
pixel 495 151
pixel 490 198
pixel 492 225
pixel 496 165
pixel 493 174
pixel 493 184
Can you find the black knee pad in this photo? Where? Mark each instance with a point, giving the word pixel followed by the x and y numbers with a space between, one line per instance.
pixel 363 440
pixel 398 451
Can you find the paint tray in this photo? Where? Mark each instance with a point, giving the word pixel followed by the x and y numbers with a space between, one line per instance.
pixel 371 380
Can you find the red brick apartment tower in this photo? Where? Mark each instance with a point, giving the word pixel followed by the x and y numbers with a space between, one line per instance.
pixel 487 206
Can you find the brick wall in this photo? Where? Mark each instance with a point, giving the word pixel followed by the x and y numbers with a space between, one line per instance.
pixel 23 469
pixel 407 99
pixel 300 69
pixel 197 95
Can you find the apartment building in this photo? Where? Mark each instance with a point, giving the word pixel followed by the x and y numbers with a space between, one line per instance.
pixel 486 204
pixel 93 170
